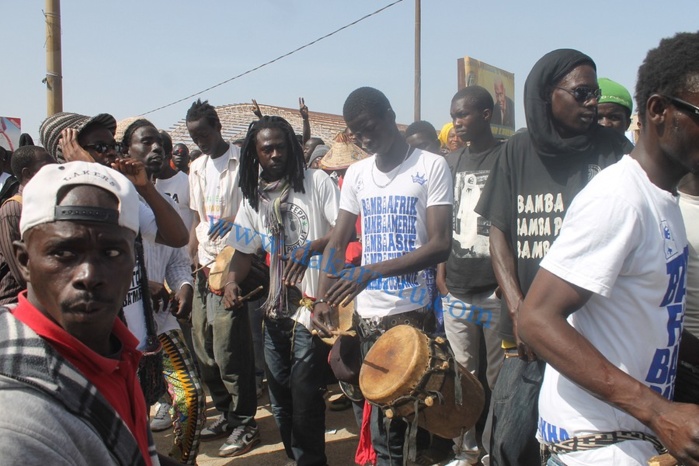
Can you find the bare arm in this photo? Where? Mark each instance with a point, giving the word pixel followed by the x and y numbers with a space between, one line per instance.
pixel 237 272
pixel 331 265
pixel 303 110
pixel 436 250
pixel 298 259
pixel 543 326
pixel 505 269
pixel 171 229
pixel 193 246
pixel 442 279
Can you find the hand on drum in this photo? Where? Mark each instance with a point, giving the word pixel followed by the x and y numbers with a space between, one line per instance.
pixel 325 319
pixel 351 281
pixel 296 265
pixel 232 296
pixel 220 228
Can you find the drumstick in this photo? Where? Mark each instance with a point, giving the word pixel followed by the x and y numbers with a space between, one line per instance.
pixel 252 293
pixel 665 459
pixel 203 266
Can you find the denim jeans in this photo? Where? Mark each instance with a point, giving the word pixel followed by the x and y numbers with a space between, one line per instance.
pixel 223 345
pixel 515 413
pixel 296 381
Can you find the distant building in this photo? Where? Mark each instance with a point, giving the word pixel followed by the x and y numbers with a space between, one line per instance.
pixel 236 118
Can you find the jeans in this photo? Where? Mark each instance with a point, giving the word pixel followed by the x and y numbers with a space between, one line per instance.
pixel 255 314
pixel 515 413
pixel 296 381
pixel 467 319
pixel 223 344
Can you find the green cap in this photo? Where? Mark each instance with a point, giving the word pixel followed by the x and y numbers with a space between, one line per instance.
pixel 615 93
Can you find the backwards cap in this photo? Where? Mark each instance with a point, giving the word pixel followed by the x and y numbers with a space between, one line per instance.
pixel 40 196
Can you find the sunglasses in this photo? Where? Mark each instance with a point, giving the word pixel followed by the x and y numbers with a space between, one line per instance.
pixel 691 108
pixel 583 93
pixel 103 148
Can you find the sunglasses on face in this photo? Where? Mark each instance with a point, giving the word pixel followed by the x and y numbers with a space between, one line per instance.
pixel 103 148
pixel 583 93
pixel 684 105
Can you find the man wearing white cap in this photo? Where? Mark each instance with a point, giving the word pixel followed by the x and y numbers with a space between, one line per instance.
pixel 68 382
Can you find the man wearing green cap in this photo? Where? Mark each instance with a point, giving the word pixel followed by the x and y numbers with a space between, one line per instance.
pixel 615 106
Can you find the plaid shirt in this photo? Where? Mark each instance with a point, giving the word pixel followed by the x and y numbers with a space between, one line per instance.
pixel 29 359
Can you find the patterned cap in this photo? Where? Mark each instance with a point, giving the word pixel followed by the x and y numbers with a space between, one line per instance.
pixel 50 129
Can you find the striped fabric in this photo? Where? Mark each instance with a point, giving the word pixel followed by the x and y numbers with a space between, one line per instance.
pixel 187 395
pixel 26 357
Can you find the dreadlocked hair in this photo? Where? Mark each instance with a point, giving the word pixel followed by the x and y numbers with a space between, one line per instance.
pixel 250 164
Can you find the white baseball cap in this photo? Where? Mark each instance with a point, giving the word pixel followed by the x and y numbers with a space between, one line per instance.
pixel 39 197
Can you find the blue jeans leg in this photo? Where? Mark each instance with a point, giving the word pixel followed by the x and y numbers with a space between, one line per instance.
pixel 515 414
pixel 296 380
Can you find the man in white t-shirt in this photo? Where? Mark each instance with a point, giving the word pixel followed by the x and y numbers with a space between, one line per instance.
pixel 222 339
pixel 405 198
pixel 174 183
pixel 289 212
pixel 606 309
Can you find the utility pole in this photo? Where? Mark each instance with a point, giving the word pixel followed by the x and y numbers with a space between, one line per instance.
pixel 54 76
pixel 418 79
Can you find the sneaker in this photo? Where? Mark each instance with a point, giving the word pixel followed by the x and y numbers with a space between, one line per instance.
pixel 241 441
pixel 217 429
pixel 162 419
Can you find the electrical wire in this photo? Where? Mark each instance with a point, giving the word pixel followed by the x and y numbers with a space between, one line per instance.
pixel 276 59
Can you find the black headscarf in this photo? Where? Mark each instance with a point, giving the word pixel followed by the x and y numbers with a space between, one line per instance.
pixel 547 72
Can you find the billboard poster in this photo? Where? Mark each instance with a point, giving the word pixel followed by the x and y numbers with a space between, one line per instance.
pixel 501 85
pixel 10 130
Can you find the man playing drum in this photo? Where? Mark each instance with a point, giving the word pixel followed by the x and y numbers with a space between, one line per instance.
pixel 288 211
pixel 405 198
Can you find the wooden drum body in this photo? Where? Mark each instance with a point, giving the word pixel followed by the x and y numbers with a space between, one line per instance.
pixel 406 369
pixel 258 275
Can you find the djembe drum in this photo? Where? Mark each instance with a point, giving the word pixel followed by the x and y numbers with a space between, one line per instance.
pixel 407 373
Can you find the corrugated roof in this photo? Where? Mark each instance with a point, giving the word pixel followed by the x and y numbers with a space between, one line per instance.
pixel 236 118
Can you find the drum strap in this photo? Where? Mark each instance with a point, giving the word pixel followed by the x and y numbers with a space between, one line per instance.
pixel 458 393
pixel 410 444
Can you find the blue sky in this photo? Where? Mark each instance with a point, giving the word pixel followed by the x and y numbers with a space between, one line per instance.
pixel 127 57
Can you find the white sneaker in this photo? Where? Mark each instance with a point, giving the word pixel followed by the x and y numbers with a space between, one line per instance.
pixel 162 419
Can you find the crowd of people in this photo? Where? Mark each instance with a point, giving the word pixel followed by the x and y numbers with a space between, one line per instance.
pixel 558 266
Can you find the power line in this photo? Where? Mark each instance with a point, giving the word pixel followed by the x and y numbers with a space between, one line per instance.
pixel 276 59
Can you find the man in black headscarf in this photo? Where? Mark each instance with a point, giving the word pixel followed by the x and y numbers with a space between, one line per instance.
pixel 536 177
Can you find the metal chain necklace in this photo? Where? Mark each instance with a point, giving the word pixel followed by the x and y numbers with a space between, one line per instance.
pixel 373 178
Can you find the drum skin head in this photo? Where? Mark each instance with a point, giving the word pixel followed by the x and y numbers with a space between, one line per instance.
pixel 219 271
pixel 345 314
pixel 395 364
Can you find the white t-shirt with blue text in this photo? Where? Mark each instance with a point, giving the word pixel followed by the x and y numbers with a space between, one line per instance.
pixel 393 208
pixel 624 240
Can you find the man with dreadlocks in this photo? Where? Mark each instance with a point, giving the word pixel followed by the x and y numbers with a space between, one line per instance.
pixel 289 212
